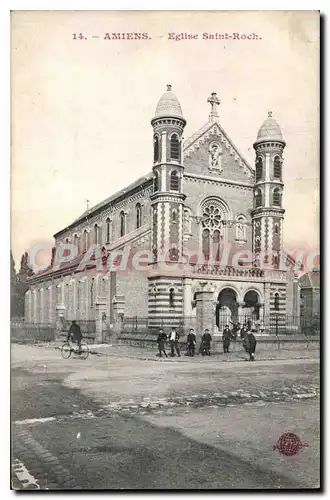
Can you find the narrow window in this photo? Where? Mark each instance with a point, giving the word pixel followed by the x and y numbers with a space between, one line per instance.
pixel 85 240
pixel 76 243
pixel 138 215
pixel 171 297
pixel 277 302
pixel 96 234
pixel 156 148
pixel 174 182
pixel 122 224
pixel 156 183
pixel 175 147
pixel 259 169
pixel 277 167
pixel 276 197
pixel 206 244
pixel 108 230
pixel 258 198
pixel 174 216
pixel 276 228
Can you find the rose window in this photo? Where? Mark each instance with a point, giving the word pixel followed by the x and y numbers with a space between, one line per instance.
pixel 211 216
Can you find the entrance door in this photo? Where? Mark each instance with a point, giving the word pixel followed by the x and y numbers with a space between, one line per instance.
pixel 226 309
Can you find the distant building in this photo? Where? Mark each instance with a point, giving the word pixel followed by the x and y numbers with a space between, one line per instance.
pixel 309 285
pixel 200 198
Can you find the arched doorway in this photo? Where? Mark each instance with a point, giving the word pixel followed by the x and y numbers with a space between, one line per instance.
pixel 226 309
pixel 251 305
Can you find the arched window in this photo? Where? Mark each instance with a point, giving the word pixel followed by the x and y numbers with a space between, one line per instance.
pixel 275 260
pixel 276 228
pixel 206 243
pixel 66 251
pixel 171 297
pixel 156 148
pixel 156 182
pixel 276 197
pixel 259 169
pixel 213 215
pixel 122 224
pixel 174 254
pixel 258 198
pixel 76 243
pixel 175 147
pixel 138 215
pixel 96 234
pixel 174 215
pixel 107 230
pixel 85 240
pixel 277 301
pixel 277 167
pixel 174 181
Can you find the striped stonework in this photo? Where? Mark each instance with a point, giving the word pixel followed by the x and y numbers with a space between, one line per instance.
pixel 281 290
pixel 162 304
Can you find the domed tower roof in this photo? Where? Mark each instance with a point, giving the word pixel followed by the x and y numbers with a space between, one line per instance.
pixel 168 106
pixel 269 131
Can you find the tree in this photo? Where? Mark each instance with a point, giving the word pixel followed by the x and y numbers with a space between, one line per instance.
pixel 13 287
pixel 21 286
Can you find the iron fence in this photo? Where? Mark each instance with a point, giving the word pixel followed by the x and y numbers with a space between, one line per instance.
pixel 271 325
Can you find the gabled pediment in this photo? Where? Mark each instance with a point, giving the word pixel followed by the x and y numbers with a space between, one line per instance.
pixel 196 151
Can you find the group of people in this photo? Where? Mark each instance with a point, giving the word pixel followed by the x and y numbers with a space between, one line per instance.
pixel 246 335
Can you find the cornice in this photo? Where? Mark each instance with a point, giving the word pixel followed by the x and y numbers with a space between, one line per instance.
pixel 215 180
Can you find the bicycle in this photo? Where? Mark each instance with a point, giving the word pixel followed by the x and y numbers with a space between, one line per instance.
pixel 67 349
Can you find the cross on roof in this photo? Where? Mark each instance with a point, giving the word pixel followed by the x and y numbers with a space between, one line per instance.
pixel 214 101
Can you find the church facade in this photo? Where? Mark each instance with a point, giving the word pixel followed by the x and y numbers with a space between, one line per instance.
pixel 200 236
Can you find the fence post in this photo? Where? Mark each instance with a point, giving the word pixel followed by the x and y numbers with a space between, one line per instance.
pixel 276 331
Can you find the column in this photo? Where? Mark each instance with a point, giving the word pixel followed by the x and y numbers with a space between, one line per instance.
pixel 261 317
pixel 118 313
pixel 205 315
pixel 267 306
pixel 41 314
pixel 100 314
pixel 240 313
pixel 187 298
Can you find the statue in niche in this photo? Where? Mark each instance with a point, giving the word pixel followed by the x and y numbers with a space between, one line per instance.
pixel 215 157
pixel 186 222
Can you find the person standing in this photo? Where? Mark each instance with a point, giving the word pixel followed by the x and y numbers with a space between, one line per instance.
pixel 206 343
pixel 75 334
pixel 243 331
pixel 251 344
pixel 191 342
pixel 174 342
pixel 161 339
pixel 226 336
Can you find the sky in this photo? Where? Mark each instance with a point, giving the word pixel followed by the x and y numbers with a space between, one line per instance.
pixel 81 109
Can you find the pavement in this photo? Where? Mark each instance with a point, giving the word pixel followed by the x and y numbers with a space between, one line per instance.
pixel 119 420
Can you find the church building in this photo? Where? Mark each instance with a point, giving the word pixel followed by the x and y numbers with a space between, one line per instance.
pixel 199 238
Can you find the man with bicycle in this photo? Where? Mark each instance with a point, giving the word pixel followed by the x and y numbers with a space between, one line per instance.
pixel 75 334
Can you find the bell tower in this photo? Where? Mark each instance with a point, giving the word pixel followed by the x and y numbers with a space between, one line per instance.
pixel 268 213
pixel 167 199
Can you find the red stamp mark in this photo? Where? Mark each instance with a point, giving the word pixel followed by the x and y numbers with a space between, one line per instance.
pixel 289 444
